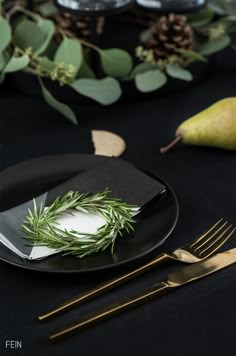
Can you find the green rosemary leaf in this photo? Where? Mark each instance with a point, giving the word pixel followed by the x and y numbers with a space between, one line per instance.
pixel 41 227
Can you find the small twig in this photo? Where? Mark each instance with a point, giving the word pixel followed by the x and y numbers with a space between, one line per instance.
pixel 11 12
pixel 82 41
pixel 10 4
pixel 18 8
pixel 34 72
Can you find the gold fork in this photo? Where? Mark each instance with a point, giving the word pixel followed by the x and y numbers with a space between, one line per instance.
pixel 199 249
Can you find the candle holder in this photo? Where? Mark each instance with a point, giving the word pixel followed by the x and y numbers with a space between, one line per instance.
pixel 95 7
pixel 167 6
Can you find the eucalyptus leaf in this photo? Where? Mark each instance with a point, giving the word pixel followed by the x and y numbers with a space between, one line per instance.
pixel 57 105
pixel 47 27
pixel 223 7
pixel 218 6
pixel 196 56
pixel 231 7
pixel 144 35
pixel 150 81
pixel 48 8
pixel 3 61
pixel 116 62
pixel 177 72
pixel 216 45
pixel 69 52
pixel 85 71
pixel 28 34
pixel 141 68
pixel 2 77
pixel 104 91
pixel 200 18
pixel 16 63
pixel 5 33
pixel 229 23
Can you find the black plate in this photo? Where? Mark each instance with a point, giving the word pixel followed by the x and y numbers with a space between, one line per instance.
pixel 25 180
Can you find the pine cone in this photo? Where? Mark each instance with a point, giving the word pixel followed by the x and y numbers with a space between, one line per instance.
pixel 169 33
pixel 78 25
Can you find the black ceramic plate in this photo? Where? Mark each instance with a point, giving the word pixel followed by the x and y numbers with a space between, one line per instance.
pixel 23 181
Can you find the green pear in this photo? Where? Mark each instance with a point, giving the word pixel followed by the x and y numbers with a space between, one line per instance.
pixel 214 127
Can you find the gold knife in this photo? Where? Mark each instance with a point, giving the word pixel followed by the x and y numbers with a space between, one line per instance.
pixel 174 280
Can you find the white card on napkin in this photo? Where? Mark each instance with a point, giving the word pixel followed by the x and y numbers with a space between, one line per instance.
pixel 75 220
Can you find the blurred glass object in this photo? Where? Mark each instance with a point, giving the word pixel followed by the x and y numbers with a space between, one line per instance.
pixel 94 5
pixel 172 5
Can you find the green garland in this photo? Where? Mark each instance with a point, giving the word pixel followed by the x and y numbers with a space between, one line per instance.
pixel 40 225
pixel 34 42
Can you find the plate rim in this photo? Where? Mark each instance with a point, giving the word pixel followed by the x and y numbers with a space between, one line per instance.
pixel 101 268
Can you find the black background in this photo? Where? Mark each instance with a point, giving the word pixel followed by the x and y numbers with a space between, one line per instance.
pixel 198 319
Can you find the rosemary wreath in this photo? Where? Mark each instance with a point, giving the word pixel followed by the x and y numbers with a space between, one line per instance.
pixel 40 224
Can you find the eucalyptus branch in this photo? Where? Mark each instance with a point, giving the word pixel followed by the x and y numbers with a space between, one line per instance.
pixel 35 72
pixel 9 4
pixel 11 12
pixel 41 227
pixel 82 41
pixel 33 58
pixel 61 72
pixel 17 8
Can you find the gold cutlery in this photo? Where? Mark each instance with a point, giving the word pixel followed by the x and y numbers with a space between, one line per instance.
pixel 174 280
pixel 198 250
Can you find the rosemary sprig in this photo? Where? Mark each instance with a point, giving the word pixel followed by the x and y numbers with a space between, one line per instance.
pixel 40 224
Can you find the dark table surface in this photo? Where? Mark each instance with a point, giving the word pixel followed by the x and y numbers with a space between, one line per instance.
pixel 198 319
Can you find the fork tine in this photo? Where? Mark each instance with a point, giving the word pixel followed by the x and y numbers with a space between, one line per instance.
pixel 205 234
pixel 207 238
pixel 217 243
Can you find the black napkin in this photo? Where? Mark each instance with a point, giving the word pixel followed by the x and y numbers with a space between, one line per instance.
pixel 122 179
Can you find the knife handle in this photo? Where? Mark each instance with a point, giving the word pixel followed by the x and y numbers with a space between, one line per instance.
pixel 101 289
pixel 112 310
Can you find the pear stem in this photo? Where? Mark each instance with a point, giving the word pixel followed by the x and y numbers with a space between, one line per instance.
pixel 172 144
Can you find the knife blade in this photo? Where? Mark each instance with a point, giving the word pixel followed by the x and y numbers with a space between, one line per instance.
pixel 202 269
pixel 174 280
